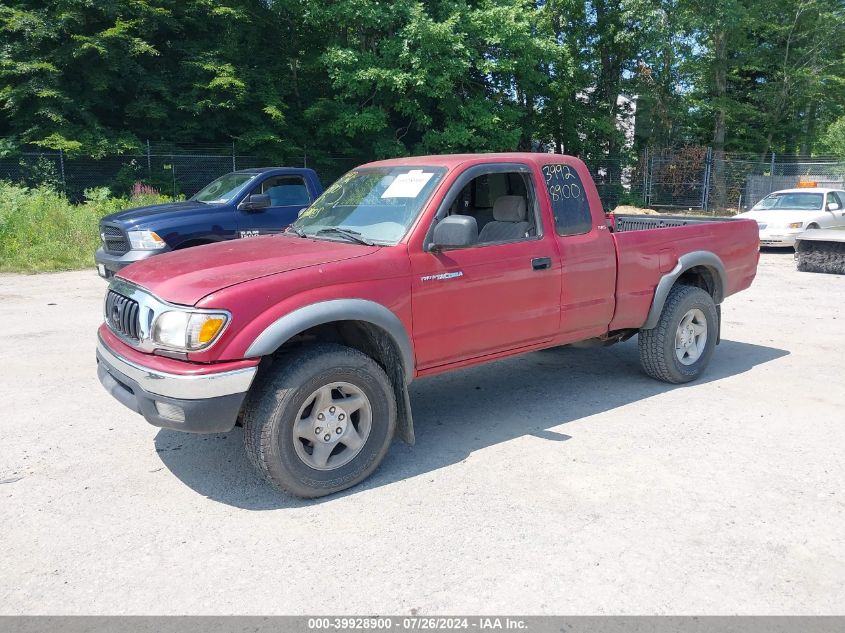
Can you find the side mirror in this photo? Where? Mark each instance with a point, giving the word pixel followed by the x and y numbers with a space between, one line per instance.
pixel 455 231
pixel 832 206
pixel 254 202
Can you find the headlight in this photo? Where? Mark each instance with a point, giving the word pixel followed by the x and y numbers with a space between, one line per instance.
pixel 189 331
pixel 795 225
pixel 145 241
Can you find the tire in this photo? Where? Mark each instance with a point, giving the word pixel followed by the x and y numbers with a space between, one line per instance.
pixel 658 354
pixel 283 408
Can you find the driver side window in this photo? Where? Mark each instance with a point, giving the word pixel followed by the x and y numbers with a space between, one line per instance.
pixel 284 191
pixel 832 197
pixel 502 204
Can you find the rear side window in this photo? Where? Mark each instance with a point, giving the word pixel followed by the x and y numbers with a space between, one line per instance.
pixel 569 200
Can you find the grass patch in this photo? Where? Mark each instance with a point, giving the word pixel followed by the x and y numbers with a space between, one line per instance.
pixel 41 231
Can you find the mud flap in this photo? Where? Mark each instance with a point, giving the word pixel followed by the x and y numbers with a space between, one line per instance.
pixel 404 419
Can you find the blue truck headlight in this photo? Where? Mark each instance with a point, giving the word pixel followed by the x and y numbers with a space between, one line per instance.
pixel 145 240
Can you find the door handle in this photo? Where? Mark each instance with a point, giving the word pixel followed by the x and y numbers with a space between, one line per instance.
pixel 541 263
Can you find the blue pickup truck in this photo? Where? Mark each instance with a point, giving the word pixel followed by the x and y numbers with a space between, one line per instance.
pixel 245 203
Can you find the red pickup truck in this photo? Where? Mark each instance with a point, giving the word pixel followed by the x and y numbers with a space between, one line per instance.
pixel 406 268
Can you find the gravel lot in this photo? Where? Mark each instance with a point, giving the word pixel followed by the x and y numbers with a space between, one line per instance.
pixel 564 481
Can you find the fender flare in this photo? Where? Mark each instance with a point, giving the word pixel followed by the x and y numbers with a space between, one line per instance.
pixel 291 324
pixel 685 262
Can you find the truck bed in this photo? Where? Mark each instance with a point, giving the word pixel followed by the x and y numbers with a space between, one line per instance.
pixel 648 246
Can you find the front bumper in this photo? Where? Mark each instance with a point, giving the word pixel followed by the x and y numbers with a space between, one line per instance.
pixel 109 264
pixel 207 403
pixel 779 237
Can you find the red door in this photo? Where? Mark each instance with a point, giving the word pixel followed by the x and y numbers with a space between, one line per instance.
pixel 476 301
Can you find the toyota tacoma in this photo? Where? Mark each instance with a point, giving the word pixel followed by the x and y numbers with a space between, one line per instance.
pixel 402 269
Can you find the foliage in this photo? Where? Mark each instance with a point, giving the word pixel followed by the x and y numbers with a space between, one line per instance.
pixel 41 171
pixel 140 189
pixel 352 80
pixel 834 140
pixel 631 200
pixel 132 173
pixel 41 231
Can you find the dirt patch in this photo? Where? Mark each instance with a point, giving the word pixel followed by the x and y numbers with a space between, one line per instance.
pixel 625 209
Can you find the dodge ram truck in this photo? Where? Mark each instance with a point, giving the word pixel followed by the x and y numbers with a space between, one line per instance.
pixel 245 203
pixel 402 269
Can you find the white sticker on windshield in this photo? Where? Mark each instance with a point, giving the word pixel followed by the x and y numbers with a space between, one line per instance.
pixel 407 185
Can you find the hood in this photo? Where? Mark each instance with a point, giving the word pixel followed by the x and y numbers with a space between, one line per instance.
pixel 160 211
pixel 188 275
pixel 777 217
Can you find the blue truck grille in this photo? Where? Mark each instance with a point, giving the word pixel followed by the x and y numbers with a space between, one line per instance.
pixel 123 315
pixel 114 240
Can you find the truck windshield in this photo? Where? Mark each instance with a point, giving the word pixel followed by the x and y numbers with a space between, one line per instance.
pixel 378 204
pixel 224 189
pixel 800 201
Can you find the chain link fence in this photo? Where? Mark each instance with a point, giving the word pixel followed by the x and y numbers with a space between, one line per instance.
pixel 619 182
pixel 696 178
pixel 171 170
pixel 687 178
pixel 675 179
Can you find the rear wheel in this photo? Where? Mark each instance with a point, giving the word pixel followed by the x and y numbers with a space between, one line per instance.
pixel 679 347
pixel 322 422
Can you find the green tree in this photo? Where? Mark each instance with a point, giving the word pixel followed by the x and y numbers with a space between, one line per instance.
pixel 834 139
pixel 439 76
pixel 350 80
pixel 99 77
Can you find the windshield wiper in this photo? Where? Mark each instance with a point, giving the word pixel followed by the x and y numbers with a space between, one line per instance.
pixel 352 235
pixel 298 231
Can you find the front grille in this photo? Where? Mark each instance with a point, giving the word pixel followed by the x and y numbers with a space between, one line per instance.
pixel 114 240
pixel 123 315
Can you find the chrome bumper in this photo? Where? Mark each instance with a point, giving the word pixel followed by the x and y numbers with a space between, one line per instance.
pixel 779 239
pixel 180 386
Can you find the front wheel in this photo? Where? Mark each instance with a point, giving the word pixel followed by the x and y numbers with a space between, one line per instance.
pixel 322 422
pixel 679 347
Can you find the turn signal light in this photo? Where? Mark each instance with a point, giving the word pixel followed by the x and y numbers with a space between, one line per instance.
pixel 209 330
